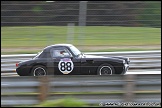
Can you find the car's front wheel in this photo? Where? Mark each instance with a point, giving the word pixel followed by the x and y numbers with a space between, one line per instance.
pixel 38 70
pixel 105 69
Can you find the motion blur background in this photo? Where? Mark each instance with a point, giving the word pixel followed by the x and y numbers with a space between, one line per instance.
pixel 29 26
pixel 100 26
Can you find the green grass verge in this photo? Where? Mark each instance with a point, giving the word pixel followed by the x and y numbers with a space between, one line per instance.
pixel 94 35
pixel 41 36
pixel 64 102
pixel 69 100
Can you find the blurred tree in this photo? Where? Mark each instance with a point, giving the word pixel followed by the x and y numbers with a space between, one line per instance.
pixel 150 15
pixel 117 13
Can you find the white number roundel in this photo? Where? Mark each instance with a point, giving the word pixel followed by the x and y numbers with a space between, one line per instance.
pixel 65 65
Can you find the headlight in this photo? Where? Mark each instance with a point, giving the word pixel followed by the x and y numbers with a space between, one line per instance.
pixel 124 62
pixel 128 59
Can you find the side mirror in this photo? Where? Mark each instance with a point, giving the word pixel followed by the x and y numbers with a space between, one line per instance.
pixel 71 57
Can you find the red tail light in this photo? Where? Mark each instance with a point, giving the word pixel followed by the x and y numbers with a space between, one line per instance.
pixel 17 64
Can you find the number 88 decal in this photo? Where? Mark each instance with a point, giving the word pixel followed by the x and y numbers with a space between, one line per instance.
pixel 65 66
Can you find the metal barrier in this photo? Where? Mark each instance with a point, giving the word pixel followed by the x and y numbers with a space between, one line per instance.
pixel 139 59
pixel 92 89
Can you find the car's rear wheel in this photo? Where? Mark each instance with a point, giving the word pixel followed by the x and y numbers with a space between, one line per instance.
pixel 39 70
pixel 105 69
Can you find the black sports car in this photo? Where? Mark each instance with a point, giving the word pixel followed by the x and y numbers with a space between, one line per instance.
pixel 62 59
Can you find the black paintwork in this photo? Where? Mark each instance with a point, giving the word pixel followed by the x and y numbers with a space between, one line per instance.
pixel 83 64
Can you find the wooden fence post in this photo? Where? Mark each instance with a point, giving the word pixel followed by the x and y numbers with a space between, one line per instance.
pixel 43 88
pixel 129 88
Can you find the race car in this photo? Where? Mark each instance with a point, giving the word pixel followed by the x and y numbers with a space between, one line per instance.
pixel 66 59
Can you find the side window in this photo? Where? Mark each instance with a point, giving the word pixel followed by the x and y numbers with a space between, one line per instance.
pixel 60 52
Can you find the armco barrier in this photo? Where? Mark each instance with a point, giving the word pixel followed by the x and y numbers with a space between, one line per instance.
pixel 92 89
pixel 139 59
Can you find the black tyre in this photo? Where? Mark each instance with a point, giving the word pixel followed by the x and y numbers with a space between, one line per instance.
pixel 39 70
pixel 105 69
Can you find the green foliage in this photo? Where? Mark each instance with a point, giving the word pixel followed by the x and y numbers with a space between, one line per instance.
pixel 66 102
pixel 118 13
pixel 37 9
pixel 151 14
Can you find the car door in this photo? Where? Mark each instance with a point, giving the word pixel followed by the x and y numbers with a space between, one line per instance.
pixel 88 66
pixel 64 62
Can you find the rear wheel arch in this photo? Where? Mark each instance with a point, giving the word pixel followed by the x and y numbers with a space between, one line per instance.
pixel 36 66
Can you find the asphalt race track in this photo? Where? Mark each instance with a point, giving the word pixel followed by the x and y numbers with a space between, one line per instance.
pixel 143 71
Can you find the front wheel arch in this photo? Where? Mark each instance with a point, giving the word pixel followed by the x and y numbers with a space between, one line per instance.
pixel 107 68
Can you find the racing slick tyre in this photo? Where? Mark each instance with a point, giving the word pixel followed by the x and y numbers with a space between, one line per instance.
pixel 38 70
pixel 105 69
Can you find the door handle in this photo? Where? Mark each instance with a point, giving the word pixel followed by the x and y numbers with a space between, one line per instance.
pixel 90 61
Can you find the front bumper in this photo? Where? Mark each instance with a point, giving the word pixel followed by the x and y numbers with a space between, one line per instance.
pixel 125 68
